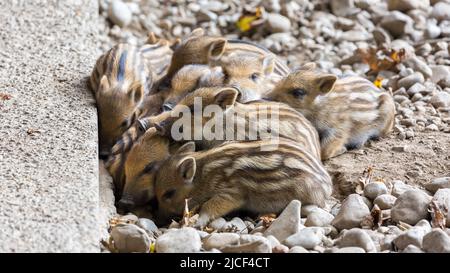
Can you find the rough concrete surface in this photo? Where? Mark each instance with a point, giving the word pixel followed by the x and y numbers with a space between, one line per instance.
pixel 49 192
pixel 107 208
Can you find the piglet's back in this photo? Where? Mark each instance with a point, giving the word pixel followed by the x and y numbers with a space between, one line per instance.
pixel 267 174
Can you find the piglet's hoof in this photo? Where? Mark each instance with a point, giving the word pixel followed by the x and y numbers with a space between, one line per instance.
pixel 201 222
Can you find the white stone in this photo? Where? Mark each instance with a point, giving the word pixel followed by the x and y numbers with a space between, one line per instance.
pixel 442 199
pixel 287 223
pixel 374 189
pixel 437 241
pixel 441 11
pixel 397 23
pixel 411 207
pixel 217 224
pixel 441 99
pixel 413 236
pixel 149 226
pixel 307 209
pixel 356 237
pixel 130 238
pixel 342 7
pixel 249 244
pixel 406 5
pixel 220 240
pixel 440 72
pixel 412 249
pixel 350 249
pixel 399 187
pixel 420 66
pixel 319 218
pixel 119 13
pixel 236 225
pixel 298 249
pixel 410 80
pixel 278 23
pixel 184 240
pixel 438 183
pixel 385 201
pixel 308 238
pixel 351 213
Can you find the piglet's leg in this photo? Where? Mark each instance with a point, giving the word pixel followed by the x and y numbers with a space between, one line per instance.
pixel 217 206
pixel 333 147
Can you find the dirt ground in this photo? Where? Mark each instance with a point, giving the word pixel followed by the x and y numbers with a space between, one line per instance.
pixel 425 157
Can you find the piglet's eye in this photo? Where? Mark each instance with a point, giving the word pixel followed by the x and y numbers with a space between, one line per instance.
pixel 124 124
pixel 254 76
pixel 169 194
pixel 150 167
pixel 226 76
pixel 298 93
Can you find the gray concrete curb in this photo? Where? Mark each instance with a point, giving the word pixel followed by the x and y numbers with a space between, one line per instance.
pixel 49 191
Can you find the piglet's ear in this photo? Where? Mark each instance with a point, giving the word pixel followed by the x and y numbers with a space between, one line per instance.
pixel 104 84
pixel 226 96
pixel 325 83
pixel 308 66
pixel 137 94
pixel 198 32
pixel 151 38
pixel 268 65
pixel 175 44
pixel 186 168
pixel 216 49
pixel 188 147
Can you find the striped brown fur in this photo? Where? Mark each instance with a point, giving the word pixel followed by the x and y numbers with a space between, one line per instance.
pixel 251 73
pixel 119 80
pixel 289 123
pixel 188 79
pixel 346 112
pixel 157 55
pixel 200 49
pixel 239 175
pixel 132 170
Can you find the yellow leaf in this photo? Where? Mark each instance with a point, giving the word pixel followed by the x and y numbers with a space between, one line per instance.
pixel 378 82
pixel 152 248
pixel 245 22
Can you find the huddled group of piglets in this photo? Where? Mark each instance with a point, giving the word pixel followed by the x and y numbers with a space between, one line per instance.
pixel 294 121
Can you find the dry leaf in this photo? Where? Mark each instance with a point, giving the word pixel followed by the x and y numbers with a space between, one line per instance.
pixel 109 245
pixel 117 221
pixel 367 222
pixel 438 217
pixel 33 132
pixel 377 216
pixel 267 219
pixel 152 248
pixel 365 179
pixel 233 229
pixel 380 59
pixel 4 96
pixel 403 226
pixel 209 229
pixel 375 219
pixel 189 218
pixel 249 20
pixel 378 82
pixel 186 214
